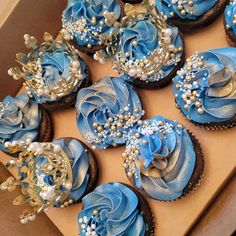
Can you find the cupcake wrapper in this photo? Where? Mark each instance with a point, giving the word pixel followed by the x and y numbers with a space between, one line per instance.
pixel 197 175
pixel 230 36
pixel 46 130
pixel 93 170
pixel 206 19
pixel 69 100
pixel 165 81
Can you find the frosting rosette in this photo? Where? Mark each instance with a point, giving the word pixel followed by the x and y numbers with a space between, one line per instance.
pixel 111 209
pixel 230 16
pixel 205 88
pixel 84 21
pixel 159 158
pixel 185 10
pixel 106 111
pixel 79 159
pixel 20 118
pixel 137 47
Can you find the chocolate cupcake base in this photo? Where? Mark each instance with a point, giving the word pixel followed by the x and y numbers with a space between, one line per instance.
pixel 231 37
pixel 206 19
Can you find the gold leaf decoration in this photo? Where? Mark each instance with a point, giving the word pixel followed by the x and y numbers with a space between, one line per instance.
pixel 47 37
pixel 20 200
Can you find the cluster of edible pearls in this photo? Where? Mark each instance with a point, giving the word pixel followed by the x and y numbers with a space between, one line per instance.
pixel 86 30
pixel 183 6
pixel 141 68
pixel 88 229
pixel 27 217
pixel 132 156
pixel 231 11
pixel 186 84
pixel 115 127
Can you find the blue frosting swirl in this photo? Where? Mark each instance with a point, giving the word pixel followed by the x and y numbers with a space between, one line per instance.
pixel 55 67
pixel 205 89
pixel 139 44
pixel 106 111
pixel 229 13
pixel 20 119
pixel 79 158
pixel 159 158
pixel 81 19
pixel 111 209
pixel 172 8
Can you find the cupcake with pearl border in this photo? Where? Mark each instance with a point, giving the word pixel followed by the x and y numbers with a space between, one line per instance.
pixel 115 209
pixel 144 47
pixel 230 22
pixel 106 111
pixel 53 72
pixel 163 160
pixel 22 119
pixel 191 14
pixel 51 174
pixel 205 89
pixel 83 22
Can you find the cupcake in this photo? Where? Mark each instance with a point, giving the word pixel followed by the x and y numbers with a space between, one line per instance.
pixel 106 111
pixel 53 72
pixel 146 49
pixel 190 15
pixel 205 88
pixel 83 22
pixel 115 209
pixel 230 21
pixel 162 159
pixel 23 120
pixel 51 174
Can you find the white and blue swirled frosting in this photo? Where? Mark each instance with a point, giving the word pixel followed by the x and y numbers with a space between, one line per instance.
pixel 230 16
pixel 205 88
pixel 20 118
pixel 185 9
pixel 84 20
pixel 79 159
pixel 106 111
pixel 111 209
pixel 56 66
pixel 137 43
pixel 159 158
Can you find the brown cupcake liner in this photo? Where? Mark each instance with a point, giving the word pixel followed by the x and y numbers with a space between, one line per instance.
pixel 214 126
pixel 69 101
pixel 203 21
pixel 195 179
pixel 230 36
pixel 93 169
pixel 91 51
pixel 165 81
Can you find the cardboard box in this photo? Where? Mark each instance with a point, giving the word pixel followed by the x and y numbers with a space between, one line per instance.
pixel 174 218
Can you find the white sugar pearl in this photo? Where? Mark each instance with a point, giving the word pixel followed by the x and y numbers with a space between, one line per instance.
pixel 80 220
pixel 85 218
pixel 75 64
pixel 24 220
pixel 32 217
pixel 93 226
pixel 57 148
pixel 68 186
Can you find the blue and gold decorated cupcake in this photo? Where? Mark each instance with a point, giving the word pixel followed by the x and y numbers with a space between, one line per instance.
pixel 53 72
pixel 53 174
pixel 106 111
pixel 191 14
pixel 230 21
pixel 23 120
pixel 144 47
pixel 162 159
pixel 83 22
pixel 115 209
pixel 205 88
